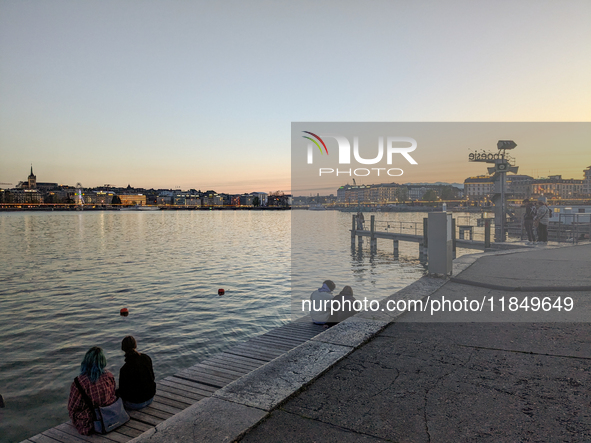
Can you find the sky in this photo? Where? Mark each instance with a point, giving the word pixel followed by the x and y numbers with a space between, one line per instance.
pixel 189 94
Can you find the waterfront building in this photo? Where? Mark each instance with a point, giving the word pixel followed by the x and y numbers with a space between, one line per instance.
pixel 262 197
pixel 246 200
pixel 212 198
pixel 587 182
pixel 479 188
pixel 132 199
pixel 557 187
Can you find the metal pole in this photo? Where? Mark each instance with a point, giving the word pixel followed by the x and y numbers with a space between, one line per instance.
pixel 353 226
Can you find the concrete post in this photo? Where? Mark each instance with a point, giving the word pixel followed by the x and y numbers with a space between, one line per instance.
pixel 453 235
pixel 396 249
pixel 373 244
pixel 440 247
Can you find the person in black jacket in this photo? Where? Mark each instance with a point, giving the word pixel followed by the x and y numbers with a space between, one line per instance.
pixel 137 385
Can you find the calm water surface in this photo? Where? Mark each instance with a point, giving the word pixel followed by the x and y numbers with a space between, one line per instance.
pixel 65 276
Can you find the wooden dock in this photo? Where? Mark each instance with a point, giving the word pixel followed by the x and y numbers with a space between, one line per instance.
pixel 422 239
pixel 181 390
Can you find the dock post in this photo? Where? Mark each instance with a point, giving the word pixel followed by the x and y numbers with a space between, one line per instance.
pixel 353 225
pixel 486 234
pixel 396 249
pixel 373 244
pixel 425 243
pixel 453 236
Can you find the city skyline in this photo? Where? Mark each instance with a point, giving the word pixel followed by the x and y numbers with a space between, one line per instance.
pixel 200 95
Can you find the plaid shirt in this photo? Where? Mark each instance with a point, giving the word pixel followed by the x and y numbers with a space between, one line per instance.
pixel 102 393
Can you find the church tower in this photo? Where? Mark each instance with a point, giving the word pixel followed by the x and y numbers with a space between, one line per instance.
pixel 32 180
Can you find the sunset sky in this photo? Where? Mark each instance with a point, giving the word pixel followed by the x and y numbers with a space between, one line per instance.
pixel 202 94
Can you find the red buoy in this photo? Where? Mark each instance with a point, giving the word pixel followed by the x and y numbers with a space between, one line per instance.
pixel 124 312
pixel 221 292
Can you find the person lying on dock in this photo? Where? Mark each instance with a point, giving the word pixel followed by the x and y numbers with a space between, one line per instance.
pixel 98 385
pixel 320 302
pixel 342 306
pixel 137 385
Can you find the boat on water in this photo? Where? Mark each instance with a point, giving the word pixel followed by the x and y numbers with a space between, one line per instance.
pixel 139 208
pixel 316 208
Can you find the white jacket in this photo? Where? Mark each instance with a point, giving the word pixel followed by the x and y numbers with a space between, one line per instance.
pixel 317 312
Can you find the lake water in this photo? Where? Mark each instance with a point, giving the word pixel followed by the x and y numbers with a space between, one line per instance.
pixel 64 277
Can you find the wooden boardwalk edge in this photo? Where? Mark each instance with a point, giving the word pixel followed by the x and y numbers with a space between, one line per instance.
pixel 177 392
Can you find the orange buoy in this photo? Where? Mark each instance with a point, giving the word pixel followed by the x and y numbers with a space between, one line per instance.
pixel 124 312
pixel 221 292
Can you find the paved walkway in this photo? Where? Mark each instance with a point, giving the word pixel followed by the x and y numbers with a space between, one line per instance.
pixel 498 377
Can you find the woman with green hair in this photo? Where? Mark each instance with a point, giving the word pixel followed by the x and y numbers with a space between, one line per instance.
pixel 99 385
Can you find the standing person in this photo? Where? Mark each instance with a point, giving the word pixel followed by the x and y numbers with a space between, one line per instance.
pixel 98 384
pixel 528 220
pixel 541 220
pixel 360 220
pixel 320 302
pixel 137 385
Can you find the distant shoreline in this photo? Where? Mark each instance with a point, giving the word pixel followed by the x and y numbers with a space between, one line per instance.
pixel 45 208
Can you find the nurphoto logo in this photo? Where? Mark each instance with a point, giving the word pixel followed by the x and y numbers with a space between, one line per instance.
pixel 344 150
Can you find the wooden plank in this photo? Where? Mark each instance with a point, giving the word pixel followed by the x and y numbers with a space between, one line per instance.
pixel 242 362
pixel 218 371
pixel 300 337
pixel 165 408
pixel 62 436
pixel 239 358
pixel 170 402
pixel 138 425
pixel 116 436
pixel 129 432
pixel 260 350
pixel 262 356
pixel 149 410
pixel 204 377
pixel 297 330
pixel 180 398
pixel 267 346
pixel 286 341
pixel 69 428
pixel 178 388
pixel 40 438
pixel 270 345
pixel 145 418
pixel 226 366
pixel 210 371
pixel 199 388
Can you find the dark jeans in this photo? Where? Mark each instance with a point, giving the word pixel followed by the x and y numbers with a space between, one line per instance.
pixel 529 228
pixel 542 232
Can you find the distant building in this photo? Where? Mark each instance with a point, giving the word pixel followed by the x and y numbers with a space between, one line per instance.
pixel 137 199
pixel 479 187
pixel 212 198
pixel 31 183
pixel 557 187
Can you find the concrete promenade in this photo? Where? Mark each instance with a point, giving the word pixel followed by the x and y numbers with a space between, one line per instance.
pixel 416 377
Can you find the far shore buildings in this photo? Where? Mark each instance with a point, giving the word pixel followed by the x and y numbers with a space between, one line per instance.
pixel 524 186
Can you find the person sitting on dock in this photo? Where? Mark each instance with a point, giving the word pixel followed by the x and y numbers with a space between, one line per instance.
pixel 137 385
pixel 320 301
pixel 345 301
pixel 98 384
